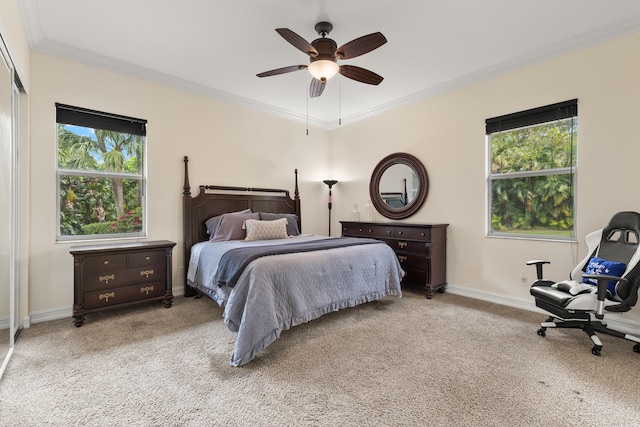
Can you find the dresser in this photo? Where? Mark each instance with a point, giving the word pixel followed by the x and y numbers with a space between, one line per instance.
pixel 420 248
pixel 116 275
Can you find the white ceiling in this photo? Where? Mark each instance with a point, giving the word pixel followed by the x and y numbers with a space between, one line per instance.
pixel 216 47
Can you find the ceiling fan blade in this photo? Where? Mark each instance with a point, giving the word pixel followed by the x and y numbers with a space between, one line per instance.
pixel 282 70
pixel 360 74
pixel 317 87
pixel 360 46
pixel 297 41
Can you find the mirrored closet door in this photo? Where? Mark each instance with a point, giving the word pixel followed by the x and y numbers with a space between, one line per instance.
pixel 8 208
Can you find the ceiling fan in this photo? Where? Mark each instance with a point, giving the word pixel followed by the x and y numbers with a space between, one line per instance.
pixel 324 52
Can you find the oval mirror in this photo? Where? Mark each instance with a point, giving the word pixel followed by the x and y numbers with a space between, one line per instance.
pixel 399 185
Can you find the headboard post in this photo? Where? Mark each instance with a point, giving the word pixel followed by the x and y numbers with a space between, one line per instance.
pixel 296 200
pixel 186 187
pixel 186 230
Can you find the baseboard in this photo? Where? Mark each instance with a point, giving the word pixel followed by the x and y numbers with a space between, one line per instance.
pixel 47 315
pixel 614 320
pixel 65 312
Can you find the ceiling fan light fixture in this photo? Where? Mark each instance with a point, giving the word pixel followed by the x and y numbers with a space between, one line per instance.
pixel 323 69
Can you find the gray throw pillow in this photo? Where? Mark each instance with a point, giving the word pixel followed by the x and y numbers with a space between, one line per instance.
pixel 212 223
pixel 230 227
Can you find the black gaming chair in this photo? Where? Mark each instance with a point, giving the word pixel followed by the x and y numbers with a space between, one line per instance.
pixel 607 280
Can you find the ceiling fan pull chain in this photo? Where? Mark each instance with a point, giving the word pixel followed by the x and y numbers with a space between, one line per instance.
pixel 339 102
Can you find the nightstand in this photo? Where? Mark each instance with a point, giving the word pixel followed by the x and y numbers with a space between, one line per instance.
pixel 116 275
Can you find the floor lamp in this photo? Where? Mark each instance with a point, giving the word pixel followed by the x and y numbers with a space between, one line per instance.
pixel 330 183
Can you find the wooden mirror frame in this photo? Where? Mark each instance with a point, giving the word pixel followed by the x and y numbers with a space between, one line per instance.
pixel 374 185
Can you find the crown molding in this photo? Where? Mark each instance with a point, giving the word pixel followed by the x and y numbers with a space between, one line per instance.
pixel 582 41
pixel 29 13
pixel 105 63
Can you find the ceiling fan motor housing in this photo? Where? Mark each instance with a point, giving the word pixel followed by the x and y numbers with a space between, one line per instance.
pixel 326 49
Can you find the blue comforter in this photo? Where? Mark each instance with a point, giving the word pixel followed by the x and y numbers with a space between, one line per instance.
pixel 275 293
pixel 233 262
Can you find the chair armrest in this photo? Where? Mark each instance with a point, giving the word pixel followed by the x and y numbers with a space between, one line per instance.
pixel 538 263
pixel 603 281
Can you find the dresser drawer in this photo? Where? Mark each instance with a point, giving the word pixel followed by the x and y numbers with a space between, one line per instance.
pixel 120 278
pixel 109 297
pixel 415 233
pixel 365 230
pixel 142 259
pixel 105 262
pixel 409 260
pixel 411 246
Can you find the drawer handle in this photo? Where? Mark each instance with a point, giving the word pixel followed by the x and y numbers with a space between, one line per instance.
pixel 106 279
pixel 402 258
pixel 369 230
pixel 147 258
pixel 402 244
pixel 106 297
pixel 399 233
pixel 106 262
pixel 146 273
pixel 361 229
pixel 388 231
pixel 422 234
pixel 146 290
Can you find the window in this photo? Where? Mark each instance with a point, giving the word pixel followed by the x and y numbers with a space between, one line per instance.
pixel 100 174
pixel 531 172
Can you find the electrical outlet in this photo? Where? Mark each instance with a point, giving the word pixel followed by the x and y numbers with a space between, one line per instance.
pixel 524 280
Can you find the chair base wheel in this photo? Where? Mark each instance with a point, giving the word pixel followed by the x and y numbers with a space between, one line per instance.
pixel 636 348
pixel 542 332
pixel 596 350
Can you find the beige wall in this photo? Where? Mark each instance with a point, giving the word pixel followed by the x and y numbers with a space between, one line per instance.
pixel 233 145
pixel 17 39
pixel 227 145
pixel 447 134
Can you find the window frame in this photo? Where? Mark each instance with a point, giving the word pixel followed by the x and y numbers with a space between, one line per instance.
pixel 92 119
pixel 523 119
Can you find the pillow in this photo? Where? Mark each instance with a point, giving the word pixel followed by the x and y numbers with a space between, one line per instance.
pixel 292 221
pixel 573 287
pixel 602 266
pixel 230 227
pixel 266 230
pixel 212 223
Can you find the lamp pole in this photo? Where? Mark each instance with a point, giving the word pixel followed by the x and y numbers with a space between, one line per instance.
pixel 330 183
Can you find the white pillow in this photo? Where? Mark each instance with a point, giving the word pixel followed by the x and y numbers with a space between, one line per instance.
pixel 266 230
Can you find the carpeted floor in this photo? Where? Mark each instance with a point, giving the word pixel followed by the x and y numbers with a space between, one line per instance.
pixel 449 361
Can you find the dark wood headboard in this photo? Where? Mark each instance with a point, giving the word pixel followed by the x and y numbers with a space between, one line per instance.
pixel 213 200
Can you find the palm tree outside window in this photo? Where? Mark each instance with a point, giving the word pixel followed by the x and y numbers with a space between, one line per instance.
pixel 100 174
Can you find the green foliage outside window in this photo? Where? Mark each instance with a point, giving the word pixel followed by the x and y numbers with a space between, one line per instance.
pixel 100 181
pixel 532 179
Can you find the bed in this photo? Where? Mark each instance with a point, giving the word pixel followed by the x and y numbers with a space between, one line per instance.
pixel 245 250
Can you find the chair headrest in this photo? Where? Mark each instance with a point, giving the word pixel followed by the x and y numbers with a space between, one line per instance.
pixel 624 220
